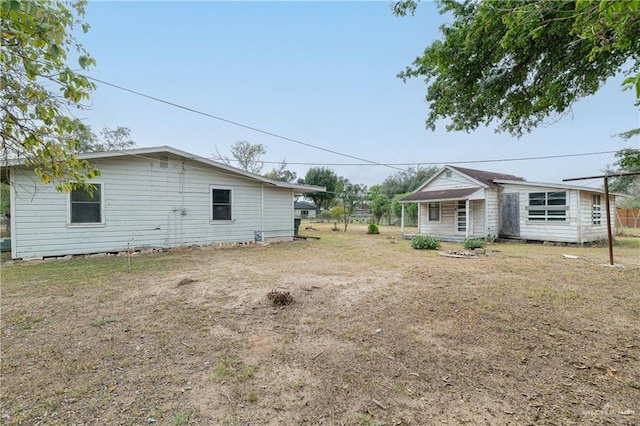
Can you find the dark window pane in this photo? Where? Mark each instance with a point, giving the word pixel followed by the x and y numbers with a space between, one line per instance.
pixel 221 212
pixel 537 198
pixel 221 196
pixel 85 213
pixel 82 194
pixel 557 198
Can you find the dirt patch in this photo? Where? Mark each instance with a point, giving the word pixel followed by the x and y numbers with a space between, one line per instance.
pixel 379 334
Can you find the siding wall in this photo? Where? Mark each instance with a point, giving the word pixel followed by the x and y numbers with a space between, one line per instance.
pixel 589 231
pixel 456 181
pixel 577 229
pixel 447 226
pixel 278 221
pixel 492 204
pixel 146 205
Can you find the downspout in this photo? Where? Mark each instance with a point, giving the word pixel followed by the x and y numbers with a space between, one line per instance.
pixel 402 221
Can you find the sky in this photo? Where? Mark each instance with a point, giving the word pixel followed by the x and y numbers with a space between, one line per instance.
pixel 322 73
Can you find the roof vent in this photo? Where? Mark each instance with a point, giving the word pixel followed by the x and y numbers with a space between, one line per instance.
pixel 164 161
pixel 448 174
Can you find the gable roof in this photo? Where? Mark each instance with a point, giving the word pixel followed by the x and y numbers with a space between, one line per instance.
pixel 488 178
pixel 142 152
pixel 304 205
pixel 440 195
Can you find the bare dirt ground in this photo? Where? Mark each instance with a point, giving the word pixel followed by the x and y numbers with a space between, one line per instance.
pixel 378 333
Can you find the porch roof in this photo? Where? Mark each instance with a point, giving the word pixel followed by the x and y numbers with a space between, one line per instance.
pixel 441 195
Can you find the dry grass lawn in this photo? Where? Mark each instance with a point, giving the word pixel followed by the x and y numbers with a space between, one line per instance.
pixel 378 333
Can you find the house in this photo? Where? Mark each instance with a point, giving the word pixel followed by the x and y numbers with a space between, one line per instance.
pixel 148 197
pixel 304 209
pixel 457 203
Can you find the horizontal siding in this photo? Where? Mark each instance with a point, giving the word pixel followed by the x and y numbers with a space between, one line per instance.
pixel 566 231
pixel 446 225
pixel 492 205
pixel 477 213
pixel 146 206
pixel 589 231
pixel 278 213
pixel 456 181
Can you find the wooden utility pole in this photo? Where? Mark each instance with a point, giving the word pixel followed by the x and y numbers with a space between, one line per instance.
pixel 606 195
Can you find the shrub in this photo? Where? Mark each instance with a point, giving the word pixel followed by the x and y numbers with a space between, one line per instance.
pixel 425 242
pixel 474 243
pixel 373 228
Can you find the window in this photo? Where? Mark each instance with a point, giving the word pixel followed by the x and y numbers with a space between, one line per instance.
pixel 596 210
pixel 548 206
pixel 86 205
pixel 434 212
pixel 220 204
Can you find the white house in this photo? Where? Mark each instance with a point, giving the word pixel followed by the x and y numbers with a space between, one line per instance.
pixel 148 197
pixel 304 209
pixel 457 203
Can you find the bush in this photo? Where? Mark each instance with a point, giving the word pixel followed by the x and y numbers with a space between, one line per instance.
pixel 373 228
pixel 474 243
pixel 425 242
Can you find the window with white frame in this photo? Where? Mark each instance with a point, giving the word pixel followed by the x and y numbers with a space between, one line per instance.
pixel 85 205
pixel 434 212
pixel 548 206
pixel 221 204
pixel 596 210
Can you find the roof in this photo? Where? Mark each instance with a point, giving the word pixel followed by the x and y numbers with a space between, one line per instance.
pixel 488 178
pixel 142 152
pixel 304 205
pixel 554 186
pixel 441 195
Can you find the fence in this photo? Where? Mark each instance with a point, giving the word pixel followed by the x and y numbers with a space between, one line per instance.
pixel 629 218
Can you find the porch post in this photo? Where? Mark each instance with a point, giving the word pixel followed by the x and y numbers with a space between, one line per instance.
pixel 419 214
pixel 402 220
pixel 466 212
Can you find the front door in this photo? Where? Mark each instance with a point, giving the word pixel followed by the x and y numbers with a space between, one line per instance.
pixel 510 215
pixel 461 217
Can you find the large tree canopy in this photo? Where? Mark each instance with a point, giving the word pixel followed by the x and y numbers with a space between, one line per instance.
pixel 517 63
pixel 40 90
pixel 321 176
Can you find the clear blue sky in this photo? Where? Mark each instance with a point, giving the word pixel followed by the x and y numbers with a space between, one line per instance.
pixel 320 72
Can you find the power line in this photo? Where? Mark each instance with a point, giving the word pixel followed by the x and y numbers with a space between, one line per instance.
pixel 499 160
pixel 235 123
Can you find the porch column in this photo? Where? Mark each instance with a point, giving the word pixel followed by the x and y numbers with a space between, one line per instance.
pixel 419 214
pixel 466 212
pixel 402 220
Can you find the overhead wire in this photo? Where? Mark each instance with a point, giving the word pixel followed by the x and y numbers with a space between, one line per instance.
pixel 235 123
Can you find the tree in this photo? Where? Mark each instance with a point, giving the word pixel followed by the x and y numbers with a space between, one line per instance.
pixel 281 173
pixel 40 90
pixel 321 176
pixel 350 197
pixel 629 162
pixel 247 155
pixel 108 140
pixel 518 62
pixel 379 203
pixel 406 181
pixel 410 209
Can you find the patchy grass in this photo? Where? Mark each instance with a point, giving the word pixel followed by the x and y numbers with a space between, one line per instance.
pixel 522 335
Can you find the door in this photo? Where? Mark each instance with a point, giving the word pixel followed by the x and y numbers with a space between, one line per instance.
pixel 461 217
pixel 510 215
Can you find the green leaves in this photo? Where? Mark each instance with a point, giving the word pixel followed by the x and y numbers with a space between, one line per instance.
pixel 39 89
pixel 514 63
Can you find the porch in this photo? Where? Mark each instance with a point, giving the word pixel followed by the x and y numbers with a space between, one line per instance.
pixel 451 215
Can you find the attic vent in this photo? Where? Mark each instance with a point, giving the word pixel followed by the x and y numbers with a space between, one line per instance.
pixel 448 174
pixel 164 161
